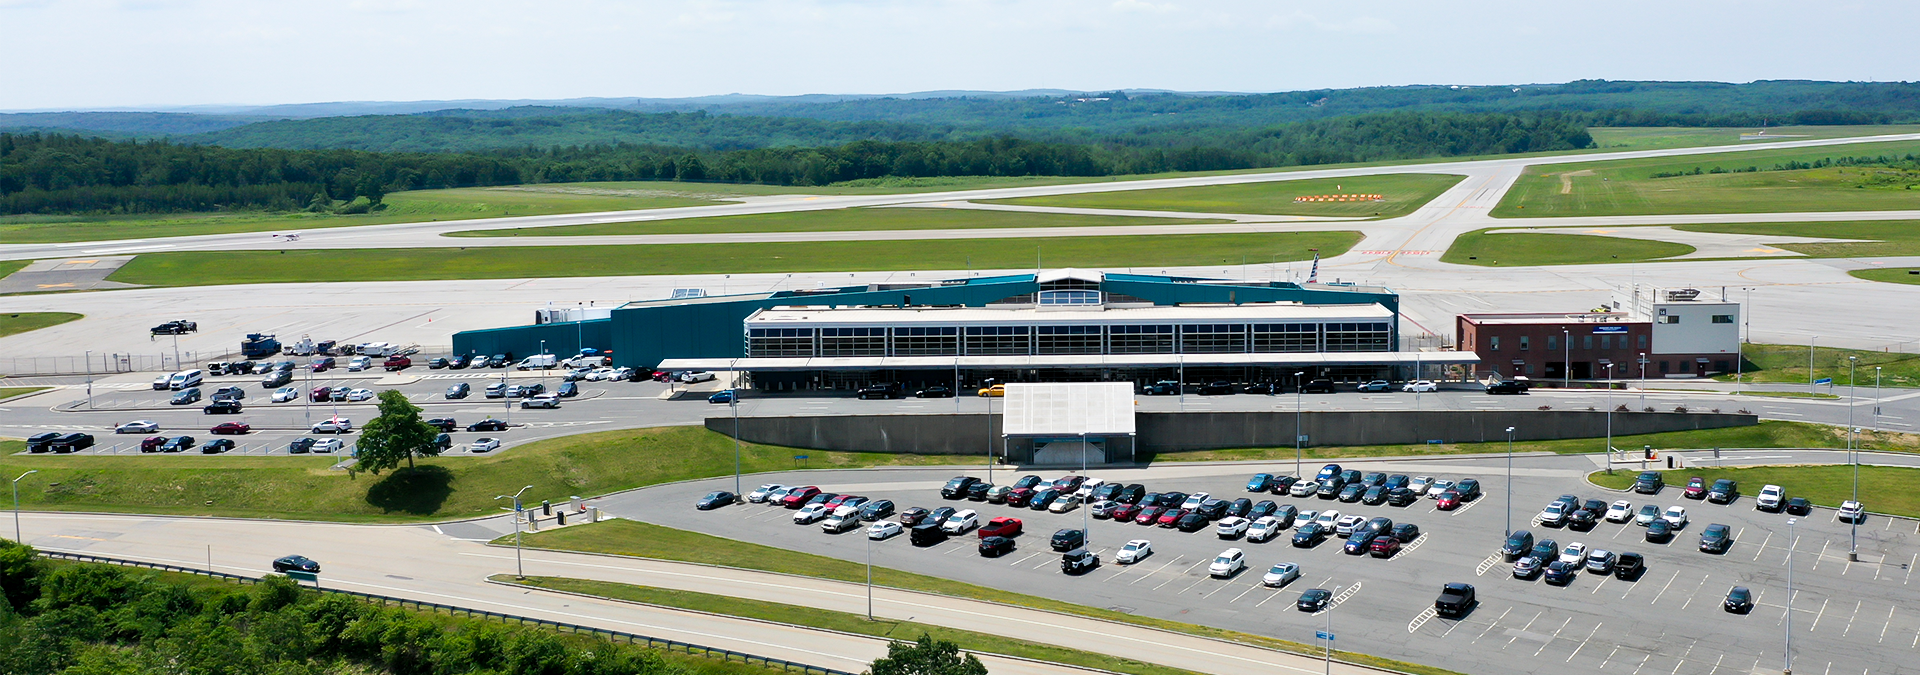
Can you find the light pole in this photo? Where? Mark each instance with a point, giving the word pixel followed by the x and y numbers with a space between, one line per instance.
pixel 519 567
pixel 1566 359
pixel 16 505
pixel 1086 534
pixel 1296 426
pixel 733 402
pixel 1810 363
pixel 1793 544
pixel 1609 415
pixel 1740 346
pixel 1853 548
pixel 1643 380
pixel 1330 606
pixel 89 379
pixel 544 370
pixel 1510 480
pixel 987 386
pixel 1876 399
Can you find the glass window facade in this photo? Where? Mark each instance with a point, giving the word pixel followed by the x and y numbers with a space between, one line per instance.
pixel 863 341
pixel 1358 337
pixel 1214 338
pixel 780 342
pixel 1286 337
pixel 998 340
pixel 1066 339
pixel 926 341
pixel 1140 339
pixel 1069 298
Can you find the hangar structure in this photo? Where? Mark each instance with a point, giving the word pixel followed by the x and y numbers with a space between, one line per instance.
pixel 1060 326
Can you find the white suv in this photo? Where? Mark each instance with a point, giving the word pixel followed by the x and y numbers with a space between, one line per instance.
pixel 961 522
pixel 1771 498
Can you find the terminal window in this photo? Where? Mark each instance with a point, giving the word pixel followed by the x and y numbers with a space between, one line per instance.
pixel 780 342
pixel 1140 339
pixel 1359 337
pixel 997 340
pixel 853 341
pixel 1286 337
pixel 1219 338
pixel 1066 339
pixel 926 341
pixel 1723 318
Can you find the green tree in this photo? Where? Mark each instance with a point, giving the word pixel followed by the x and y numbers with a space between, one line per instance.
pixel 397 434
pixel 20 569
pixel 926 656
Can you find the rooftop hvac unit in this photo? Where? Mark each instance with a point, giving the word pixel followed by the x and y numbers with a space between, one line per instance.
pixel 1683 294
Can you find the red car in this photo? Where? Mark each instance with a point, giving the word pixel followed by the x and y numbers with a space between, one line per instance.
pixel 1385 546
pixel 1696 488
pixel 795 498
pixel 1447 501
pixel 1001 527
pixel 837 500
pixel 320 394
pixel 1124 512
pixel 1019 496
pixel 1068 483
pixel 1149 515
pixel 152 443
pixel 397 363
pixel 230 428
pixel 1171 517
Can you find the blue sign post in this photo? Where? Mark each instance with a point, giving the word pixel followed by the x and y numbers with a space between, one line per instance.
pixel 1824 380
pixel 1322 635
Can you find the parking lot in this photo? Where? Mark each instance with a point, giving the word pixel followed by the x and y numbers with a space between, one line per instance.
pixel 1669 620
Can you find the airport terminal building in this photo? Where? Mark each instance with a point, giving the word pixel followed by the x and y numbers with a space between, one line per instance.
pixel 1052 326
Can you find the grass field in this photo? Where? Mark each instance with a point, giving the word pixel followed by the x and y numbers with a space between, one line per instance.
pixel 402 207
pixel 1884 489
pixel 201 268
pixel 8 267
pixel 1526 249
pixel 1884 238
pixel 837 220
pixel 645 540
pixel 10 392
pixel 1788 363
pixel 1768 434
pixel 1403 193
pixel 1626 187
pixel 21 322
pixel 1650 138
pixel 305 488
pixel 1895 275
pixel 841 621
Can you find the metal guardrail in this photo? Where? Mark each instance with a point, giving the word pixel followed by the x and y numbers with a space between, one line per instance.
pixel 451 610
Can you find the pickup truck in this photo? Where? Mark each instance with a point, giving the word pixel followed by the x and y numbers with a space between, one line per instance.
pixel 1456 599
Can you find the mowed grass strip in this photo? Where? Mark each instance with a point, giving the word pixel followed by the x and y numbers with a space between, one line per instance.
pixel 1766 434
pixel 1897 275
pixel 841 621
pixel 866 219
pixel 402 207
pixel 1883 489
pixel 10 392
pixel 306 488
pixel 20 322
pixel 1880 237
pixel 646 540
pixel 1648 138
pixel 1522 249
pixel 1627 187
pixel 200 268
pixel 1403 193
pixel 1788 364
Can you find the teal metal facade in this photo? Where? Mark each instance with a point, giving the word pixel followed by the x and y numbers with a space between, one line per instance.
pixel 642 334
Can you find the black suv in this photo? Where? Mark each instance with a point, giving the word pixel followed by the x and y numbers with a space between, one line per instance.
pixel 957 488
pixel 881 391
pixel 1131 494
pixel 977 492
pixel 1724 491
pixel 1508 387
pixel 444 424
pixel 994 547
pixel 42 442
pixel 1067 540
pixel 1649 483
pixel 1216 388
pixel 1517 544
pixel 72 442
pixel 1320 386
pixel 225 406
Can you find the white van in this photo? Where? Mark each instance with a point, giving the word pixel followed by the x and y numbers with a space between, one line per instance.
pixel 374 349
pixel 542 361
pixel 185 379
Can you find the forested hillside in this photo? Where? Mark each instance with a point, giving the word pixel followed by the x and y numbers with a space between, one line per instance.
pixel 43 173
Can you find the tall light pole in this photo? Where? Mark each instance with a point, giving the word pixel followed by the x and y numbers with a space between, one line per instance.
pixel 89 379
pixel 1810 363
pixel 1086 534
pixel 869 577
pixel 1296 426
pixel 1643 380
pixel 519 567
pixel 1853 548
pixel 1566 359
pixel 1510 480
pixel 1609 415
pixel 987 386
pixel 1330 606
pixel 16 505
pixel 1793 541
pixel 1740 346
pixel 1876 399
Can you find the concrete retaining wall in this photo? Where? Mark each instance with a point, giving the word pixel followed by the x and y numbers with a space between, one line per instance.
pixel 1173 432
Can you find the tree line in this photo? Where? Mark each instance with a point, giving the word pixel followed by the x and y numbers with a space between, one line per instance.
pixel 57 173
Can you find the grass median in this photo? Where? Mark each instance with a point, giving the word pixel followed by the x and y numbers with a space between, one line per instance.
pixel 1788 364
pixel 1734 182
pixel 1402 193
pixel 1524 249
pixel 307 488
pixel 841 621
pixel 646 540
pixel 200 268
pixel 10 392
pixel 839 220
pixel 1766 434
pixel 1897 275
pixel 21 322
pixel 1884 489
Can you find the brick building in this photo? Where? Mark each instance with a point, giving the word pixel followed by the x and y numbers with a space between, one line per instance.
pixel 1675 331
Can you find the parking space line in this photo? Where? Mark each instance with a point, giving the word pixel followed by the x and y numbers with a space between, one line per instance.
pixel 1763 545
pixel 1723 657
pixel 1603 582
pixel 1603 662
pixel 1663 589
pixel 1684 655
pixel 1196 582
pixel 1696 591
pixel 1910 566
pixel 1043 563
pixel 1156 571
pixel 1851 617
pixel 1583 644
pixel 1823 553
pixel 1181 574
pixel 1523 629
pixel 1030 556
pixel 1556 636
pixel 1643 663
pixel 1276 593
pixel 1622 530
pixel 1821 614
pixel 1888 624
pixel 1244 593
pixel 1485 565
pixel 1421 619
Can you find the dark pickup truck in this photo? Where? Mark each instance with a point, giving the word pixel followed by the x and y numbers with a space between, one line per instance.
pixel 1455 600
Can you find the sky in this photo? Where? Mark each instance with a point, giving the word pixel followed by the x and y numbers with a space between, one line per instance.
pixel 86 54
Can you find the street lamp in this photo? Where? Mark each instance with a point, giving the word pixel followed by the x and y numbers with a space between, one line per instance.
pixel 1793 545
pixel 987 386
pixel 1510 480
pixel 1853 452
pixel 16 505
pixel 1876 399
pixel 1740 346
pixel 1086 534
pixel 1296 426
pixel 89 379
pixel 1330 606
pixel 1566 359
pixel 1643 380
pixel 1810 340
pixel 519 566
pixel 1610 418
